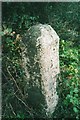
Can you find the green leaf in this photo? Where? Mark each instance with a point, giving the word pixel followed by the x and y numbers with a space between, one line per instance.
pixel 1 33
pixel 71 100
pixel 76 90
pixel 75 109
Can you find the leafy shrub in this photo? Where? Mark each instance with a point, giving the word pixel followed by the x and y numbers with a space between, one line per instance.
pixel 13 78
pixel 69 83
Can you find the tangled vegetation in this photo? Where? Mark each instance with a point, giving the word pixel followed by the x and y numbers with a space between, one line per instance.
pixel 16 19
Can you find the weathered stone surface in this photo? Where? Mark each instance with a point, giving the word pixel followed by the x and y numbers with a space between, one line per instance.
pixel 41 63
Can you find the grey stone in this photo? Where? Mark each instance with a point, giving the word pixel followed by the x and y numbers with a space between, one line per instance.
pixel 41 63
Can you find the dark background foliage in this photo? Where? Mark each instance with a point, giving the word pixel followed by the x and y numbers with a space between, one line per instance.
pixel 17 17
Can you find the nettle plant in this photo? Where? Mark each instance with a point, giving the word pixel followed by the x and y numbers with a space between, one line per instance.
pixel 69 63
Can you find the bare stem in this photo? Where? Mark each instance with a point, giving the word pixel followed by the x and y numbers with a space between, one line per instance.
pixel 25 105
pixel 15 83
pixel 12 109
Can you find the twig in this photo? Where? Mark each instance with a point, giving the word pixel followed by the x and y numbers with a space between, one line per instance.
pixel 12 109
pixel 24 105
pixel 4 84
pixel 15 83
pixel 78 107
pixel 4 75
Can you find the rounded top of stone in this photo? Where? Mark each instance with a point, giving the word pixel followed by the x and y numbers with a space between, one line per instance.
pixel 41 33
pixel 43 27
pixel 48 35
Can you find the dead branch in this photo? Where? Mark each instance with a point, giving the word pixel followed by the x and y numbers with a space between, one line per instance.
pixel 12 109
pixel 25 105
pixel 15 83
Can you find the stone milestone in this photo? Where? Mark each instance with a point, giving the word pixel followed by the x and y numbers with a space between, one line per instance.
pixel 41 64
